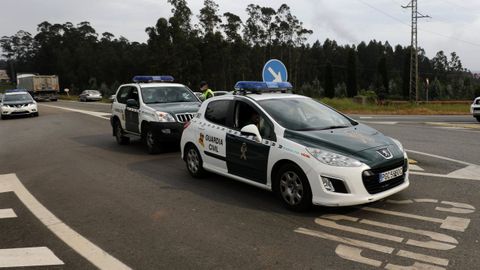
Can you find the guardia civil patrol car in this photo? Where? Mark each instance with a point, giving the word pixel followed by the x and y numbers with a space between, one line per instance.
pixel 153 108
pixel 301 149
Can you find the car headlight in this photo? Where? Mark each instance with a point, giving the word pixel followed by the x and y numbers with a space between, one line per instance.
pixel 165 117
pixel 333 159
pixel 399 144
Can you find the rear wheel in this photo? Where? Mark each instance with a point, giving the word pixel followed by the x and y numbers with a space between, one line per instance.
pixel 292 187
pixel 478 118
pixel 152 143
pixel 194 162
pixel 119 134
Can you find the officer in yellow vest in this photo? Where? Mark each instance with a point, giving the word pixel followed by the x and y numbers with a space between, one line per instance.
pixel 206 92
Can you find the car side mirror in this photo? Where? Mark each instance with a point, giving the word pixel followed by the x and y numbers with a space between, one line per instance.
pixel 251 130
pixel 132 103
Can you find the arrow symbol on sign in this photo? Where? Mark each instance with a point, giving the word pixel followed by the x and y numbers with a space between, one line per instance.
pixel 277 76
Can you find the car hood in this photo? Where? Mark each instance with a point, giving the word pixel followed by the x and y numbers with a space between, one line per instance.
pixel 175 108
pixel 360 142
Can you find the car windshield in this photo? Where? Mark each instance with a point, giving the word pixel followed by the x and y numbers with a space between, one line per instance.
pixel 17 97
pixel 304 114
pixel 167 94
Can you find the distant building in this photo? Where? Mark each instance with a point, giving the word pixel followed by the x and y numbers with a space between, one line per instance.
pixel 4 76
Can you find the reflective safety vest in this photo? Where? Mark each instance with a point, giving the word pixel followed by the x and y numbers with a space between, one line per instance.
pixel 208 94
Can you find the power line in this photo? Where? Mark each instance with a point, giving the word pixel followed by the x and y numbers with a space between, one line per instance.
pixel 428 31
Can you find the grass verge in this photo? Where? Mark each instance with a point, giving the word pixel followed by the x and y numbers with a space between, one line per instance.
pixel 348 106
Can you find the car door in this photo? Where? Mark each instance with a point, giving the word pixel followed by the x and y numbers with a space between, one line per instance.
pixel 213 132
pixel 132 111
pixel 246 157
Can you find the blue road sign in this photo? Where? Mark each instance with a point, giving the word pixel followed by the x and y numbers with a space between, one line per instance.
pixel 274 71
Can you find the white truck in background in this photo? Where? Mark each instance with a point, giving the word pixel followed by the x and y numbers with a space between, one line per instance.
pixel 41 87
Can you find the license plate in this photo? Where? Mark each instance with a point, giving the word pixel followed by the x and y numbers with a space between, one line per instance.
pixel 390 174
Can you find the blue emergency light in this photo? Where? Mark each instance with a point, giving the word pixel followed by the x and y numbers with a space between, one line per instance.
pixel 258 87
pixel 150 79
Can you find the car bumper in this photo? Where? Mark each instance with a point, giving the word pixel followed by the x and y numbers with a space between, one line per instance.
pixel 475 110
pixel 19 111
pixel 358 189
pixel 167 132
pixel 93 98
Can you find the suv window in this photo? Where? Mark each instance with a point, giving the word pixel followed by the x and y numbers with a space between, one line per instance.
pixel 123 94
pixel 217 112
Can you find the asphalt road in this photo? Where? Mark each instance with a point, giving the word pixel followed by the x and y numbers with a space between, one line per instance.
pixel 148 213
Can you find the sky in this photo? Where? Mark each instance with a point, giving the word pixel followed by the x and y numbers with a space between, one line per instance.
pixel 454 26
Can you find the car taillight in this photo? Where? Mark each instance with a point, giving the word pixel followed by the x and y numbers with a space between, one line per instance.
pixel 186 124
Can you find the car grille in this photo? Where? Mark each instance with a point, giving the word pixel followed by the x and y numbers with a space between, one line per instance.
pixel 371 178
pixel 185 117
pixel 17 105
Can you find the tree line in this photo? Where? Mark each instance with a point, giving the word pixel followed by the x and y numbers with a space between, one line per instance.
pixel 223 49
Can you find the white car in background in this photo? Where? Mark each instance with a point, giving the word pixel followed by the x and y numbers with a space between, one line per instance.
pixel 17 104
pixel 475 108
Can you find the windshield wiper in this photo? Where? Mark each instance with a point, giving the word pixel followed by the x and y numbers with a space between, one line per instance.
pixel 323 128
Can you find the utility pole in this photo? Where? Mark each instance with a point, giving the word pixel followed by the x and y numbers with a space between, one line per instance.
pixel 414 48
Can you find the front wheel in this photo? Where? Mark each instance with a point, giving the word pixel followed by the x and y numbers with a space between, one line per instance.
pixel 119 135
pixel 194 162
pixel 153 146
pixel 292 187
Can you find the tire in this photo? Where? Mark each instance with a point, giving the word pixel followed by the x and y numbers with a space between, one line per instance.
pixel 478 118
pixel 36 114
pixel 153 147
pixel 292 187
pixel 3 117
pixel 119 134
pixel 53 99
pixel 194 162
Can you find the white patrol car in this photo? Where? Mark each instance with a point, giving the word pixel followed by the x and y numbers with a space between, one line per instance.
pixel 154 109
pixel 17 102
pixel 300 149
pixel 475 108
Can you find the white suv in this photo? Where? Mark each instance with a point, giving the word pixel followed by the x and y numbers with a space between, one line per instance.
pixel 153 108
pixel 475 108
pixel 16 103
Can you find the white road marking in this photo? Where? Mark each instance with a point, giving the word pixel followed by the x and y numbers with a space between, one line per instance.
pixel 455 207
pixel 366 117
pixel 450 223
pixel 477 178
pixel 91 113
pixel 88 250
pixel 422 257
pixel 470 172
pixel 440 157
pixel 346 240
pixel 415 168
pixel 355 254
pixel 7 213
pixel 375 247
pixel 426 244
pixel 381 122
pixel 23 257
